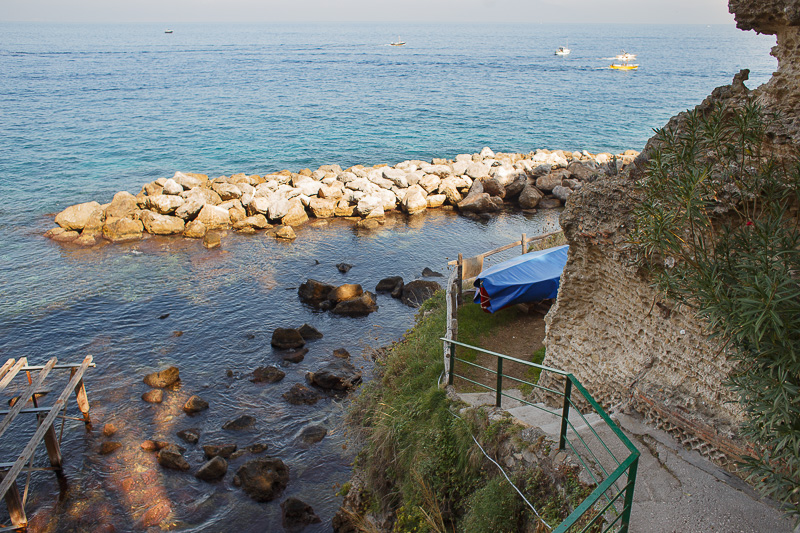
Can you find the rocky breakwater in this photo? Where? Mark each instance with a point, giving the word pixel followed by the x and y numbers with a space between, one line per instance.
pixel 193 206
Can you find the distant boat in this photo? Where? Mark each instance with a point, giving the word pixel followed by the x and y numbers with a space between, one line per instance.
pixel 625 59
pixel 562 51
pixel 398 42
pixel 167 31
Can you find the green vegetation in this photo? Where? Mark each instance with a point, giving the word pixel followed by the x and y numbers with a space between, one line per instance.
pixel 718 230
pixel 474 323
pixel 419 463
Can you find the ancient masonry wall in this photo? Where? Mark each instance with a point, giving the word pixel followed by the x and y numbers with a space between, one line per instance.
pixel 609 327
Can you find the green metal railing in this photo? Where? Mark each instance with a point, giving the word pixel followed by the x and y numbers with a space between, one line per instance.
pixel 612 466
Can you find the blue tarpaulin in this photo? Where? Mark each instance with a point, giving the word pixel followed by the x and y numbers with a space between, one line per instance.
pixel 528 278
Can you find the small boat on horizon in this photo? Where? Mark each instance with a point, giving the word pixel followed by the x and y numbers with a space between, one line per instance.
pixel 398 42
pixel 624 59
pixel 562 51
pixel 167 31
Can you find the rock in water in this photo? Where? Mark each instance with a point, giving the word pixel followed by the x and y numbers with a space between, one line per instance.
pixel 219 450
pixel 296 515
pixel 345 292
pixel 296 356
pixel 163 378
pixel 389 284
pixel 262 479
pixel 212 239
pixel 192 435
pixel 300 394
pixel 344 267
pixel 75 216
pixel 287 339
pixel 359 306
pixel 153 396
pixel 242 422
pixel 313 291
pixel 195 404
pixel 267 374
pixel 109 447
pixel 341 353
pixel 418 291
pixel 171 458
pixel 213 470
pixel 309 333
pixel 313 434
pixel 337 375
pixel 428 273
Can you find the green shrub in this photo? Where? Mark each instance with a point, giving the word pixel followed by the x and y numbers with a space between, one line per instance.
pixel 718 231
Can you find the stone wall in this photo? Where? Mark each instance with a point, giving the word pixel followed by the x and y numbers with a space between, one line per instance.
pixel 611 329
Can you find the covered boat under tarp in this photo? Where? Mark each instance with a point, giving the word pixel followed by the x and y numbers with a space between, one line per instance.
pixel 530 277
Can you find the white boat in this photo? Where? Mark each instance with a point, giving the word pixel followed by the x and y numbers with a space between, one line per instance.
pixel 398 42
pixel 625 57
pixel 562 51
pixel 167 31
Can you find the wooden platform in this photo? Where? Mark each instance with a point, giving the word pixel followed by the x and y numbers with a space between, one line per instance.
pixel 27 402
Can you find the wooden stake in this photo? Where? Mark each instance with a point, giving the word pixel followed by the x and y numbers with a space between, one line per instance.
pixel 14 503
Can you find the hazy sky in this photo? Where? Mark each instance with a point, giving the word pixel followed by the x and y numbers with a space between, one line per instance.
pixel 545 11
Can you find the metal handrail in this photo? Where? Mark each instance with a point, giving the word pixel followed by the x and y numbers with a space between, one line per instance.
pixel 628 465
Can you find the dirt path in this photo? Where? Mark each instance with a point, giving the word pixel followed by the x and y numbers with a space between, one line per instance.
pixel 514 331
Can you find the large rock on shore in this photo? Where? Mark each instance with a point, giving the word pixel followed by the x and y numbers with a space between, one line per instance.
pixel 416 292
pixel 337 375
pixel 75 216
pixel 480 203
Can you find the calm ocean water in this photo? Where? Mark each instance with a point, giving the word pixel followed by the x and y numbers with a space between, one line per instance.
pixel 86 111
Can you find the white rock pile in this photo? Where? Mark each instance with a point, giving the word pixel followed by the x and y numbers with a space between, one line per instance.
pixel 192 205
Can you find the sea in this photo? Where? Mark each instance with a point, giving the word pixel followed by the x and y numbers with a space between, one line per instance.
pixel 89 110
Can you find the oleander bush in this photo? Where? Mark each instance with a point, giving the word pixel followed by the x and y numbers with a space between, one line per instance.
pixel 718 231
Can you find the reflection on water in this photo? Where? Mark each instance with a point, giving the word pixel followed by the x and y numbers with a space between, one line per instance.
pixel 222 307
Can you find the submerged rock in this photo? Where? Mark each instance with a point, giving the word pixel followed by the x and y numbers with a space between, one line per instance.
pixel 309 333
pixel 267 374
pixel 213 470
pixel 171 458
pixel 219 450
pixel 242 422
pixel 296 515
pixel 163 378
pixel 300 394
pixel 287 339
pixel 191 435
pixel 262 479
pixel 313 434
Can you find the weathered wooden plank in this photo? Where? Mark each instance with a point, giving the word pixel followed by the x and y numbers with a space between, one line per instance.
pixel 27 393
pixel 83 402
pixel 8 364
pixel 11 374
pixel 16 510
pixel 23 458
pixel 53 449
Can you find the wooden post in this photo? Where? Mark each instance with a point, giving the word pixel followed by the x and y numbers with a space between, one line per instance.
pixel 83 401
pixel 14 503
pixel 460 280
pixel 53 448
pixel 523 244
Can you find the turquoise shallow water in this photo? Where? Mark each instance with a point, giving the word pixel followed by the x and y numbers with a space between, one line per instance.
pixel 86 111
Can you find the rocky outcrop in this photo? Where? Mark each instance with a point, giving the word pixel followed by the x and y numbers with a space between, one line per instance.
pixel 262 479
pixel 609 327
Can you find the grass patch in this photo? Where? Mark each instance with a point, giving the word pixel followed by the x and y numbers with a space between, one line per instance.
pixel 419 465
pixel 474 323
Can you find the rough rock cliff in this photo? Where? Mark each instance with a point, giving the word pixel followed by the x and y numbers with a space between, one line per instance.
pixel 611 329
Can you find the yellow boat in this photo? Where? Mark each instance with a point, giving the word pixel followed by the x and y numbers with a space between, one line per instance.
pixel 624 66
